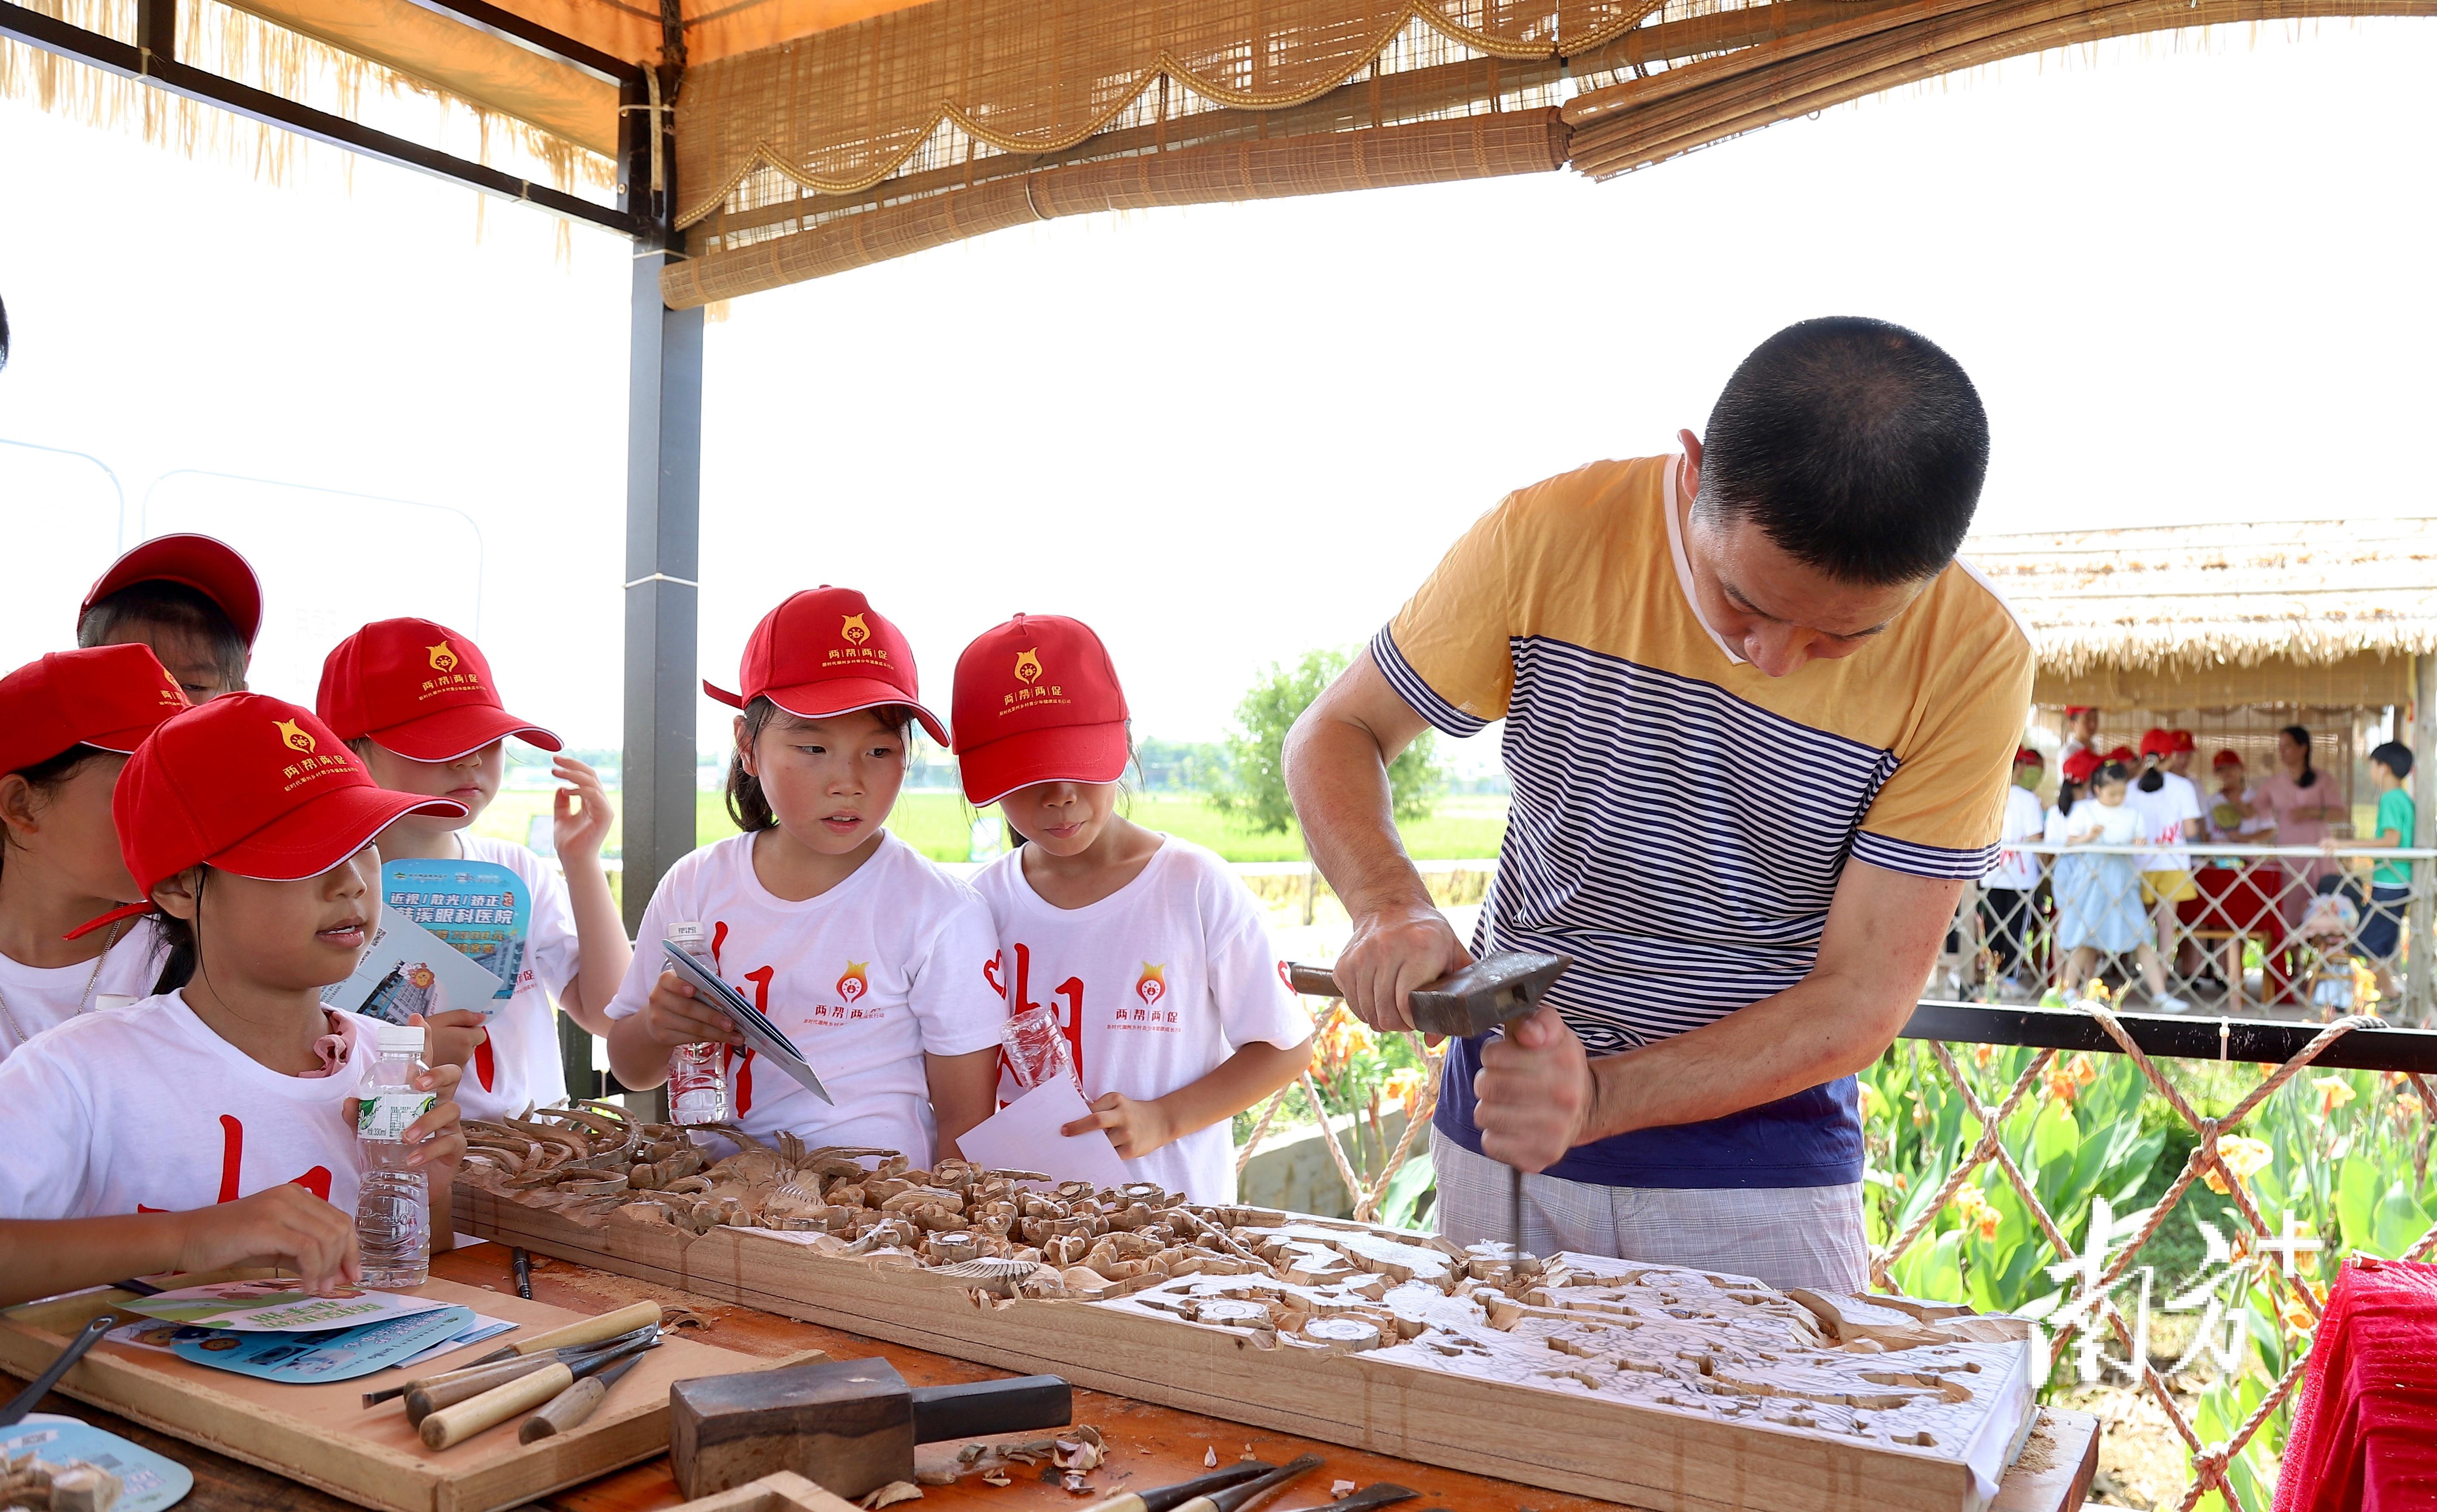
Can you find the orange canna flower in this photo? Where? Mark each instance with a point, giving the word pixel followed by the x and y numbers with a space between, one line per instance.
pixel 2334 1092
pixel 1406 1085
pixel 2240 1154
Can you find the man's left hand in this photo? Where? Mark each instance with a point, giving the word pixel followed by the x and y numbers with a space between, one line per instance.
pixel 1533 1092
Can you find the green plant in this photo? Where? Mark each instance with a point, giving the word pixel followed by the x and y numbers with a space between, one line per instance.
pixel 1254 792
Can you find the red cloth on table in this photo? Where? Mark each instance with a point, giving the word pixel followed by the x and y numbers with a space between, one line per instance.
pixel 2364 1434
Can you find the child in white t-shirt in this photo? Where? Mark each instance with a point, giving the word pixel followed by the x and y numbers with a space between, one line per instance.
pixel 871 961
pixel 67 723
pixel 213 1125
pixel 1154 956
pixel 2104 916
pixel 417 702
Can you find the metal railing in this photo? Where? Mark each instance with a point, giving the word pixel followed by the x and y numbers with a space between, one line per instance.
pixel 2287 930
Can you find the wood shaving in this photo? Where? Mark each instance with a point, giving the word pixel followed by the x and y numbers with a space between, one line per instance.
pixel 1340 1490
pixel 1210 1457
pixel 890 1495
pixel 996 1476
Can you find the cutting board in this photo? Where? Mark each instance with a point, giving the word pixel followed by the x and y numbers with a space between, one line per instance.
pixel 324 1436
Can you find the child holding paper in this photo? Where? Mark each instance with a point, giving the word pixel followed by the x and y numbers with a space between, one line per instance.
pixel 871 961
pixel 1155 956
pixel 213 1125
pixel 417 702
pixel 67 723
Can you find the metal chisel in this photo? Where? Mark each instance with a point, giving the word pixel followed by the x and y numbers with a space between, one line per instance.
pixel 1491 993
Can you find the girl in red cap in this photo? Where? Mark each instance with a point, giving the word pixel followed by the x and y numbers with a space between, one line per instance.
pixel 213 1124
pixel 67 723
pixel 417 702
pixel 1153 955
pixel 869 959
pixel 2169 806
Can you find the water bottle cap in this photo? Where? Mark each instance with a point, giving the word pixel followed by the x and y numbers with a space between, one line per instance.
pixel 398 1039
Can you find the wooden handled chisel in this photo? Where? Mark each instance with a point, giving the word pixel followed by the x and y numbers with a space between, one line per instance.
pixel 430 1397
pixel 453 1425
pixel 1167 1498
pixel 592 1330
pixel 498 1370
pixel 1382 1494
pixel 566 1412
pixel 1247 1495
pixel 1489 994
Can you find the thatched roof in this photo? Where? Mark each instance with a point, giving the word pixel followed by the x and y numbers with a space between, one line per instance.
pixel 2191 598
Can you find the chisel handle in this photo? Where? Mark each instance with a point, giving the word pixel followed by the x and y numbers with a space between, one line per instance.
pixel 426 1398
pixel 1165 1498
pixel 454 1425
pixel 564 1413
pixel 593 1330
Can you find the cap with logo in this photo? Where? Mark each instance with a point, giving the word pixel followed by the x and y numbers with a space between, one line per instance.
pixel 2158 743
pixel 2075 711
pixel 2125 755
pixel 252 785
pixel 2081 766
pixel 824 651
pixel 2025 757
pixel 2225 758
pixel 110 697
pixel 2185 740
pixel 211 567
pixel 1037 700
pixel 420 689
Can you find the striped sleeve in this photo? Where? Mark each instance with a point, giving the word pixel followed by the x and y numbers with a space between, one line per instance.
pixel 1446 652
pixel 1942 810
pixel 1923 860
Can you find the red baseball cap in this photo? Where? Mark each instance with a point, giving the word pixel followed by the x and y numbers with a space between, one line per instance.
pixel 826 650
pixel 2076 710
pixel 252 785
pixel 2158 742
pixel 2225 758
pixel 420 689
pixel 210 568
pixel 2081 766
pixel 2184 741
pixel 110 697
pixel 2025 757
pixel 1037 700
pixel 2126 755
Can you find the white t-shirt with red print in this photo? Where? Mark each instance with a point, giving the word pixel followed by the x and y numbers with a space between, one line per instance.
pixel 144 1109
pixel 32 999
pixel 518 1065
pixel 865 979
pixel 1155 984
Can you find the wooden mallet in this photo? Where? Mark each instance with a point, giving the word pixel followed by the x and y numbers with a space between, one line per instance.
pixel 848 1425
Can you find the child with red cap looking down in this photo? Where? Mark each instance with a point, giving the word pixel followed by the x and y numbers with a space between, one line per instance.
pixel 1154 956
pixel 192 599
pixel 868 958
pixel 67 723
pixel 417 701
pixel 213 1125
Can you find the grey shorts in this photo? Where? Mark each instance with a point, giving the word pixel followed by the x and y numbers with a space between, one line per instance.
pixel 1786 1236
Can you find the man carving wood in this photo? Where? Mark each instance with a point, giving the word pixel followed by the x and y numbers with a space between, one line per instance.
pixel 1759 719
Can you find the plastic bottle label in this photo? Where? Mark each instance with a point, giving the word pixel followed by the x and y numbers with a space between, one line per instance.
pixel 386 1116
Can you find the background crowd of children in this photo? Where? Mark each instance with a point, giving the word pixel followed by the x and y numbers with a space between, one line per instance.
pixel 186 866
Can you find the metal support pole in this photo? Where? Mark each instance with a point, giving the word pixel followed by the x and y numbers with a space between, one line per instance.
pixel 2420 983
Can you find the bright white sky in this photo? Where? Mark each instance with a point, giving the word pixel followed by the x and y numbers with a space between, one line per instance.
pixel 2191 282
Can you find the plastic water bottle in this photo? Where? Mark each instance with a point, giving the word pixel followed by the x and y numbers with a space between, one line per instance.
pixel 697 1073
pixel 392 1201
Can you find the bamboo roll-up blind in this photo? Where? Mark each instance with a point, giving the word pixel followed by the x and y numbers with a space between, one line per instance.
pixel 1472 146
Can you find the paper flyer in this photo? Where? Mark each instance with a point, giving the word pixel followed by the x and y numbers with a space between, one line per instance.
pixel 277 1305
pixel 340 1354
pixel 1025 1136
pixel 760 1035
pixel 409 970
pixel 152 1333
pixel 148 1482
pixel 480 909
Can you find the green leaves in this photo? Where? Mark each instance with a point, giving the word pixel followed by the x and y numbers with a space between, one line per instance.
pixel 1254 790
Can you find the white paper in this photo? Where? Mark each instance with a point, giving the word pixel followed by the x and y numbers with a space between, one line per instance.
pixel 275 1305
pixel 400 945
pixel 474 1333
pixel 1024 1137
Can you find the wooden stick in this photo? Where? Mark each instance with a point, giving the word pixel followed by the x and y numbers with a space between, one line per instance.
pixel 450 1426
pixel 426 1398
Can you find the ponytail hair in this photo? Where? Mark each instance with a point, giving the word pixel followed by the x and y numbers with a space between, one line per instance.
pixel 186 957
pixel 2153 777
pixel 2112 771
pixel 747 803
pixel 2300 735
pixel 2068 793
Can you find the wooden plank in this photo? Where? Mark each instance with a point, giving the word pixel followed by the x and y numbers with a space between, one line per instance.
pixel 2058 1463
pixel 1675 1460
pixel 324 1436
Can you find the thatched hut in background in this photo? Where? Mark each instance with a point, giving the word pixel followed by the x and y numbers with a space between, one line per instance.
pixel 2233 631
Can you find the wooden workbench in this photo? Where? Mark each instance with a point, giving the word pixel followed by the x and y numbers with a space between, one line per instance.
pixel 1148 1444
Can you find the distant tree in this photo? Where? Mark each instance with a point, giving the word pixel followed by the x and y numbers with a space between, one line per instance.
pixel 1255 794
pixel 1181 766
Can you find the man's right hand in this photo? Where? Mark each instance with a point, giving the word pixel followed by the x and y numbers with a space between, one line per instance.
pixel 286 1227
pixel 1393 952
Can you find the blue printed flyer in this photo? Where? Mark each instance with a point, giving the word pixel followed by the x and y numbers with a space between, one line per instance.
pixel 481 909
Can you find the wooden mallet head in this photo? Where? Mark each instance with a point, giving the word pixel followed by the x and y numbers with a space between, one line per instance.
pixel 848 1425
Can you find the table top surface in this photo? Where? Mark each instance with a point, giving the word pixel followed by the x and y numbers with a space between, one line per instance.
pixel 1146 1445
